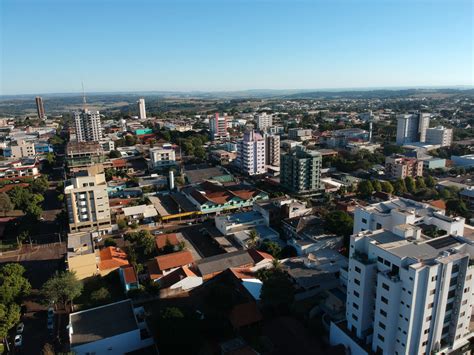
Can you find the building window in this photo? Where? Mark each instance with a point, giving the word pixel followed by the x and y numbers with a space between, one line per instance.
pixel 357 282
pixel 356 293
pixel 385 286
pixel 432 292
pixel 387 263
pixel 357 269
pixel 434 278
pixel 355 305
pixel 430 305
pixel 428 318
pixel 383 313
pixel 381 338
pixel 364 221
pixel 384 300
pixel 424 343
pixel 379 259
pixel 379 226
pixel 381 325
pixel 355 317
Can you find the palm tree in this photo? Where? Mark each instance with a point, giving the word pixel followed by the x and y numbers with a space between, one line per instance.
pixel 253 239
pixel 276 264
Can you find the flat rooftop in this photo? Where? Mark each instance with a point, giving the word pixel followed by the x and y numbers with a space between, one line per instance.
pixel 102 322
pixel 242 217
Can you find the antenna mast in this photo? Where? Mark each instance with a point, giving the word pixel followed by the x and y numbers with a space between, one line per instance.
pixel 84 103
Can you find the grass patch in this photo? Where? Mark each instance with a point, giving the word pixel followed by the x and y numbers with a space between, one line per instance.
pixel 100 290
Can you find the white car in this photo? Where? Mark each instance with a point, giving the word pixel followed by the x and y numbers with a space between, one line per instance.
pixel 157 232
pixel 19 328
pixel 18 340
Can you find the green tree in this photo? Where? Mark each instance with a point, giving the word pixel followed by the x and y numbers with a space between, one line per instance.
pixel 122 224
pixel 172 313
pixel 399 187
pixel 420 183
pixel 62 288
pixel 410 184
pixel 114 154
pixel 253 239
pixel 6 204
pixel 365 188
pixel 339 223
pixel 40 185
pixel 100 296
pixel 430 181
pixel 9 316
pixel 271 248
pixel 277 290
pixel 387 187
pixel 377 185
pixel 13 285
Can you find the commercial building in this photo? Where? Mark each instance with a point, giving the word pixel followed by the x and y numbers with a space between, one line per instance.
pixel 463 160
pixel 272 150
pixel 162 157
pixel 238 221
pixel 264 121
pixel 399 167
pixel 141 108
pixel 299 134
pixel 20 169
pixel 80 155
pixel 218 127
pixel 301 170
pixel 20 149
pixel 412 127
pixel 40 107
pixel 439 136
pixel 116 328
pixel 341 137
pixel 81 255
pixel 88 126
pixel 251 154
pixel 87 202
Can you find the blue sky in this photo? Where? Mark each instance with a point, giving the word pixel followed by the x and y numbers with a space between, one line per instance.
pixel 115 45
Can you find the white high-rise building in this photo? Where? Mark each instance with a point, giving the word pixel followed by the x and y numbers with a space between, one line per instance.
pixel 88 126
pixel 87 202
pixel 264 121
pixel 218 127
pixel 409 282
pixel 439 136
pixel 162 157
pixel 251 154
pixel 141 108
pixel 412 127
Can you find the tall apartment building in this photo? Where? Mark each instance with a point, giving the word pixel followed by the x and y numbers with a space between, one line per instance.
pixel 141 108
pixel 251 154
pixel 399 167
pixel 218 127
pixel 161 157
pixel 272 149
pixel 439 136
pixel 40 107
pixel 88 126
pixel 264 121
pixel 412 127
pixel 407 293
pixel 87 202
pixel 301 170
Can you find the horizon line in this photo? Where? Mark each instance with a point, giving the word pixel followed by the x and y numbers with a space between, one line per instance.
pixel 199 91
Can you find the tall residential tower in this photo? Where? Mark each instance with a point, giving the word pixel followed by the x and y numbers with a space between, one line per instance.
pixel 40 107
pixel 141 108
pixel 88 126
pixel 301 170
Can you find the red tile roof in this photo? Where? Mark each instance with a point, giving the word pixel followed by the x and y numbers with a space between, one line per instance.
pixel 244 314
pixel 258 255
pixel 164 239
pixel 438 203
pixel 112 258
pixel 119 163
pixel 129 274
pixel 173 260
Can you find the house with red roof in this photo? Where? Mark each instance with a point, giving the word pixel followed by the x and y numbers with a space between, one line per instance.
pixel 128 277
pixel 111 258
pixel 165 264
pixel 212 197
pixel 178 281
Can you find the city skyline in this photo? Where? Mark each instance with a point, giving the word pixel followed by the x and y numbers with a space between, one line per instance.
pixel 233 46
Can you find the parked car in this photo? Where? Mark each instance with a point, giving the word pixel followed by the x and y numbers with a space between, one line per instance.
pixel 50 323
pixel 20 327
pixel 18 340
pixel 157 232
